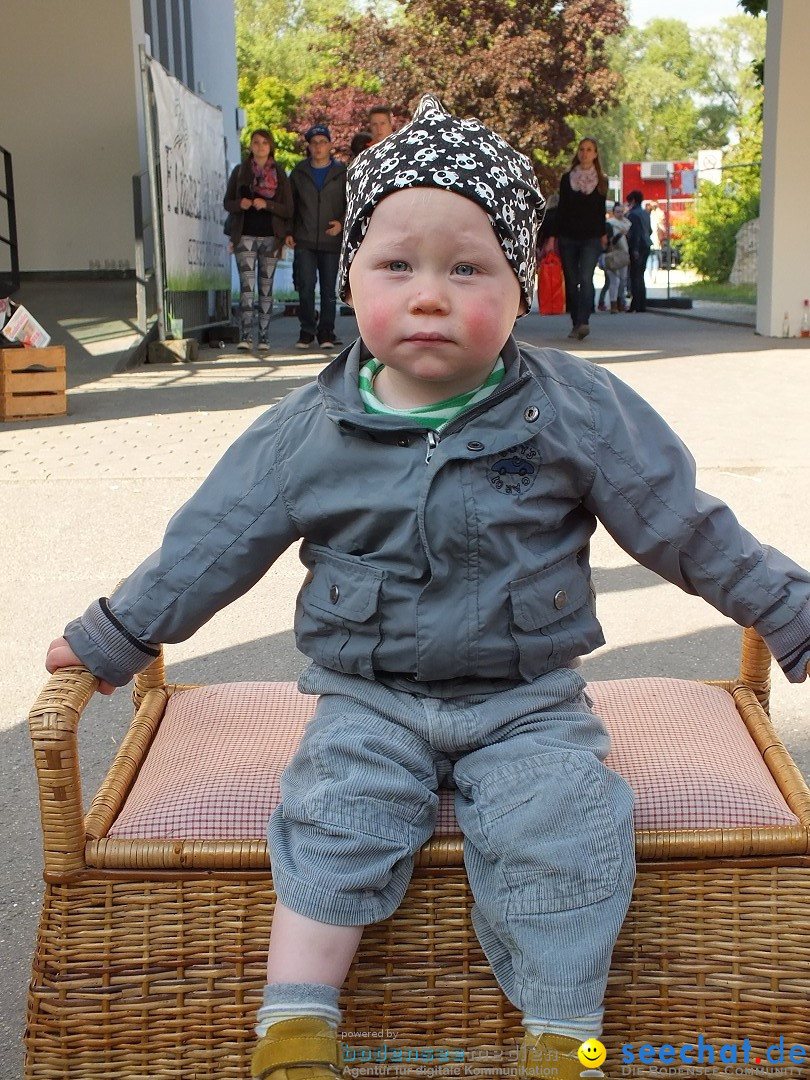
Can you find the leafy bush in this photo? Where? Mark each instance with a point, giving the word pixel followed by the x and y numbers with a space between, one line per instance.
pixel 708 244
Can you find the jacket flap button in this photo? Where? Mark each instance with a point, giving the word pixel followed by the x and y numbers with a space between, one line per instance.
pixel 531 413
pixel 560 599
pixel 334 594
pixel 475 445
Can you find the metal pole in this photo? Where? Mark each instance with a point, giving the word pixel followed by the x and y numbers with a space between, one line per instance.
pixel 154 195
pixel 669 245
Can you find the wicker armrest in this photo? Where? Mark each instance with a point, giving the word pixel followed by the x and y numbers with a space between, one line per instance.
pixel 53 724
pixel 755 666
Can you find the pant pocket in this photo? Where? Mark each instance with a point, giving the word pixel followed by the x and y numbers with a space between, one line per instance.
pixel 551 823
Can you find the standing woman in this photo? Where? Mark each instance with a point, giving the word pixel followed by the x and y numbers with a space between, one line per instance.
pixel 581 232
pixel 259 202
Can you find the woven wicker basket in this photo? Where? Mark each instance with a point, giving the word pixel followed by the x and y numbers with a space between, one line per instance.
pixel 150 955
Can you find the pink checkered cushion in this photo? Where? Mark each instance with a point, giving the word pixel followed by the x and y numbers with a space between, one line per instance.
pixel 213 769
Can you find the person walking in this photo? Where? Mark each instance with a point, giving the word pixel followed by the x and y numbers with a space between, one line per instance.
pixel 581 232
pixel 259 202
pixel 319 200
pixel 638 240
pixel 657 238
pixel 617 257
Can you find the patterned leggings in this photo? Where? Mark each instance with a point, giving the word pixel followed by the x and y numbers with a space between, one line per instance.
pixel 249 251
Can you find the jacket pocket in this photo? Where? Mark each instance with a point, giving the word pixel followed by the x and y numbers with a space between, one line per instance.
pixel 550 824
pixel 338 612
pixel 546 606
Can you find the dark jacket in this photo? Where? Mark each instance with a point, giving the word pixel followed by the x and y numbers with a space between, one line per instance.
pixel 315 209
pixel 639 237
pixel 579 216
pixel 281 208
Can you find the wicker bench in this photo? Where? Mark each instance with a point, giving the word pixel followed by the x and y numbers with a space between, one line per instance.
pixel 152 941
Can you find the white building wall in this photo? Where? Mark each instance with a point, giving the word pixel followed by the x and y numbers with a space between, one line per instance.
pixel 213 26
pixel 68 80
pixel 784 229
pixel 72 117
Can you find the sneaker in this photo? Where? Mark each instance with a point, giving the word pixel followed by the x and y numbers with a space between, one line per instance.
pixel 583 331
pixel 304 340
pixel 329 341
pixel 574 332
pixel 264 347
pixel 303 1047
pixel 540 1053
pixel 244 346
pixel 601 307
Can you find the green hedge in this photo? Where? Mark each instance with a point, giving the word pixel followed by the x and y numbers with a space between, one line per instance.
pixel 708 244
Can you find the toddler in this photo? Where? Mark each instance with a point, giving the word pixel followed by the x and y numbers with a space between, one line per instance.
pixel 445 482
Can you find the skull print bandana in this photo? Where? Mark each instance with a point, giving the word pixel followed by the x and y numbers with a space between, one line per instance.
pixel 439 150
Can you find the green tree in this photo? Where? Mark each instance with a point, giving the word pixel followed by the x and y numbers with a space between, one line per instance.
pixel 280 57
pixel 681 91
pixel 280 38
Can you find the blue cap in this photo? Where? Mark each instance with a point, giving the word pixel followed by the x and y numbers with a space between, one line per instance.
pixel 318 129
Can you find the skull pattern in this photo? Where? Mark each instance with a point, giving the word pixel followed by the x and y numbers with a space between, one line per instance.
pixel 461 155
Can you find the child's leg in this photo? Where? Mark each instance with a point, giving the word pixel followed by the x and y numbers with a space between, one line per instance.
pixel 358 800
pixel 549 849
pixel 306 965
pixel 302 950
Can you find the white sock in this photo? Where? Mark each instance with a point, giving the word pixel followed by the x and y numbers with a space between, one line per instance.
pixel 291 1001
pixel 581 1028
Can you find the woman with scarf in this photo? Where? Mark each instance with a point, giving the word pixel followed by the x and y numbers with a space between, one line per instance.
pixel 581 232
pixel 260 208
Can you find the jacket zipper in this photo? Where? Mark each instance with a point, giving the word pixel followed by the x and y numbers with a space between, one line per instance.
pixel 433 437
pixel 432 443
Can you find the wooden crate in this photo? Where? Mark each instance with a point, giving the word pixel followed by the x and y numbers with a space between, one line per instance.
pixel 32 383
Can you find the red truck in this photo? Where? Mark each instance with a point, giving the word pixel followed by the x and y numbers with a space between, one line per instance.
pixel 650 178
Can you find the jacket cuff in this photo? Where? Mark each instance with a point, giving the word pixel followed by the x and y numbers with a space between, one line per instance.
pixel 790 645
pixel 106 647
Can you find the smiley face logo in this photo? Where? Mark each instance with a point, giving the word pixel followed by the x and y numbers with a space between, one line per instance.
pixel 592 1054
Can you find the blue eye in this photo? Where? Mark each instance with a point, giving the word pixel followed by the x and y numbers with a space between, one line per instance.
pixel 465 270
pixel 398 266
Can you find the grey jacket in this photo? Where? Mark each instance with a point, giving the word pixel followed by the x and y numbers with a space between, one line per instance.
pixel 315 209
pixel 464 554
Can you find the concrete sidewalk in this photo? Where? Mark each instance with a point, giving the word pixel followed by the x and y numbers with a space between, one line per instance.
pixel 85 497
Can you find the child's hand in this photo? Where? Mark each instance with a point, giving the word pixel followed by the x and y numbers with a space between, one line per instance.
pixel 61 655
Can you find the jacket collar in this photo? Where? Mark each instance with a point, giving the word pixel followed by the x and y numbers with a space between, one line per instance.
pixel 515 412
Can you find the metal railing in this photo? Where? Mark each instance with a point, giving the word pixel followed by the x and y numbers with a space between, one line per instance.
pixel 10 278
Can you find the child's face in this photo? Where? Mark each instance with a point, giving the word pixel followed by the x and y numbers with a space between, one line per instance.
pixel 434 295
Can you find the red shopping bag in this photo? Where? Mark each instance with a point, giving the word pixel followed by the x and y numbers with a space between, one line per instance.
pixel 550 285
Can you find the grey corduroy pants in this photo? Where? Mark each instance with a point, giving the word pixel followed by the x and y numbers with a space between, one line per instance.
pixel 548 828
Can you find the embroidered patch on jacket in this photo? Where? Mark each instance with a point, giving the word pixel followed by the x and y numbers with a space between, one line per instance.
pixel 515 471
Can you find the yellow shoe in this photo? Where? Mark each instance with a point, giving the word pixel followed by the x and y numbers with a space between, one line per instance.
pixel 300 1049
pixel 554 1056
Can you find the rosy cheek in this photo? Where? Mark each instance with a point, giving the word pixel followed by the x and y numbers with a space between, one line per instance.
pixel 373 319
pixel 484 322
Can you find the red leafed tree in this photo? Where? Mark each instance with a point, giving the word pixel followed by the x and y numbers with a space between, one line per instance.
pixel 343 108
pixel 522 67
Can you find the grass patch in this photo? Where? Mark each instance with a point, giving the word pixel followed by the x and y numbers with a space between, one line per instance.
pixel 722 294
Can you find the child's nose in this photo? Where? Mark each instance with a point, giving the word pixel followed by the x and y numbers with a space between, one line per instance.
pixel 429 296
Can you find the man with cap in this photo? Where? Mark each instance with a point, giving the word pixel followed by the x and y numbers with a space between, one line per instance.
pixel 319 197
pixel 445 481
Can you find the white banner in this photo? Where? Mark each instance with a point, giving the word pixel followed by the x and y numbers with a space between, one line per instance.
pixel 190 148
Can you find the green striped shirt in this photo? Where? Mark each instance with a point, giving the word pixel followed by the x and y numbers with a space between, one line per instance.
pixel 436 416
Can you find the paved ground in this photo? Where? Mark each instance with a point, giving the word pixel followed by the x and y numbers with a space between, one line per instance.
pixel 84 497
